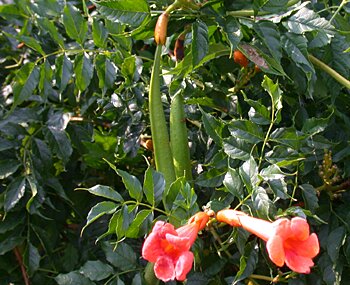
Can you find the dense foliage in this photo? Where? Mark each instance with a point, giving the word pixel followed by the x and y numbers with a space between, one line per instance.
pixel 268 132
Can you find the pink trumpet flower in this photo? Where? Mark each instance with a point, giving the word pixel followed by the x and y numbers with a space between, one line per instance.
pixel 169 248
pixel 287 241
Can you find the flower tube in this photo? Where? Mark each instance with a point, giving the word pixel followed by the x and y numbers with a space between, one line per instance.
pixel 169 248
pixel 287 241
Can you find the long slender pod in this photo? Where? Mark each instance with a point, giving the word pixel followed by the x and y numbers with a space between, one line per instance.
pixel 160 135
pixel 179 139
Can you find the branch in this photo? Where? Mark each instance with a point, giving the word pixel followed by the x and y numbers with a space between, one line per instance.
pixel 20 262
pixel 342 80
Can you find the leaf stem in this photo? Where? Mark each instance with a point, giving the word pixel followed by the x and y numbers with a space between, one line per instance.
pixel 342 80
pixel 344 2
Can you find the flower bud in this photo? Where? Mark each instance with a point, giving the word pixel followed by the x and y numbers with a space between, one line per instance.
pixel 160 30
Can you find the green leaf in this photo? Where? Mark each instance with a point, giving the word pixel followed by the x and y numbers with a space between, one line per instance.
pixel 310 197
pixel 27 80
pixel 247 262
pixel 272 172
pixel 288 136
pixel 10 11
pixel 275 93
pixel 32 43
pixel 49 26
pixel 64 71
pixel 335 241
pixel 96 270
pixel 153 186
pixel 212 126
pixel 106 72
pixel 130 12
pixel 296 48
pixel 137 228
pixel 185 67
pixel 76 26
pixel 132 184
pixel 33 186
pixel 105 192
pixel 45 82
pixel 279 188
pixel 59 142
pixel 249 174
pixel 83 70
pixel 128 69
pixel 237 148
pixel 314 126
pixel 99 33
pixel 10 243
pixel 14 192
pixel 72 278
pixel 246 130
pixel 97 211
pixel 200 41
pixel 232 31
pixel 233 183
pixel 11 221
pixel 262 203
pixel 123 257
pixel 31 259
pixel 306 20
pixel 270 35
pixel 8 167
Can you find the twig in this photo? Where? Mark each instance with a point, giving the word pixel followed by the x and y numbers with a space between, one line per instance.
pixel 20 262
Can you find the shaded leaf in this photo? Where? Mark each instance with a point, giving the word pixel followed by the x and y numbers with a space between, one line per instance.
pixel 123 257
pixel 32 259
pixel 96 270
pixel 73 278
pixel 10 243
pixel 8 167
pixel 200 41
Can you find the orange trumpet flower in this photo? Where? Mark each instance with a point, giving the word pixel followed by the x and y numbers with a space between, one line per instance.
pixel 287 241
pixel 169 249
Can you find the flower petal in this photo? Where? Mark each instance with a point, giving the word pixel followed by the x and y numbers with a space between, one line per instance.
pixel 164 269
pixel 181 243
pixel 183 265
pixel 190 231
pixel 300 228
pixel 275 249
pixel 298 263
pixel 307 248
pixel 151 248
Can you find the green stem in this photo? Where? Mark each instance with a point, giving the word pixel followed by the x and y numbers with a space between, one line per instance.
pixel 251 13
pixel 342 80
pixel 178 138
pixel 338 10
pixel 162 152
